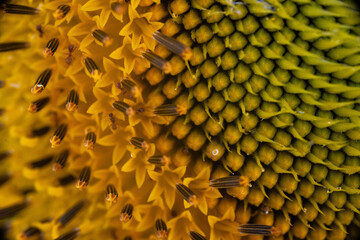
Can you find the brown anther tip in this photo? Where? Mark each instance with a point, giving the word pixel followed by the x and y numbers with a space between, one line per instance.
pixel 187 54
pixel 124 217
pixel 56 167
pixel 32 108
pixel 167 68
pixel 37 89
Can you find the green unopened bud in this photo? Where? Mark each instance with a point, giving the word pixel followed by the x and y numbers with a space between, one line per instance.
pixel 242 214
pixel 197 57
pixel 179 6
pixel 216 102
pixel 335 178
pixel 272 23
pixel 188 80
pixel 319 172
pixel 345 216
pixel 215 47
pixel 336 233
pixel 195 140
pixel 208 69
pixel 213 127
pixel 305 188
pixel 248 25
pixel 251 102
pixel 299 229
pixel 302 166
pixel 224 28
pixel 154 76
pixel 229 60
pixel 220 81
pixel 266 129
pixel 266 154
pixel 251 170
pixel 282 75
pixel 177 65
pixel 338 199
pixel 283 138
pixel 234 92
pixel 201 92
pixel 251 54
pixel 269 178
pixel 301 148
pixel 203 34
pixel 257 83
pixel 182 157
pixel 179 129
pixel 284 160
pixel 292 100
pixel 234 160
pixel 320 195
pixel 170 89
pixel 170 28
pixel 275 200
pixel 354 199
pixel 249 121
pixel 317 233
pixel 309 212
pixel 328 217
pixel 214 14
pixel 248 144
pixel 274 51
pixel 282 223
pixel 198 115
pixel 303 128
pixel 288 183
pixel 236 41
pixel 352 181
pixel 215 150
pixel 232 134
pixel 322 132
pixel 191 19
pixel 290 7
pixel 255 196
pixel 283 120
pixel 273 91
pixel 230 112
pixel 292 207
pixel 260 39
pixel 242 73
pixel 320 151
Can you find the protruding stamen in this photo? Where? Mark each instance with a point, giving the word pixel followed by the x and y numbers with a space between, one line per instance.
pixel 259 229
pixel 12 210
pixel 41 82
pixel 131 87
pixel 61 12
pixel 173 45
pixel 102 37
pixel 72 101
pixel 157 61
pixel 92 69
pixel 118 7
pixel 111 193
pixel 90 140
pixel 196 236
pixel 18 9
pixel 69 58
pixel 30 233
pixel 40 163
pixel 161 229
pixel 63 181
pixel 112 120
pixel 60 160
pixel 38 132
pixel 40 30
pixel 51 47
pixel 231 181
pixel 187 194
pixel 170 110
pixel 70 214
pixel 12 46
pixel 161 160
pixel 38 105
pixel 126 213
pixel 83 179
pixel 58 136
pixel 140 143
pixel 124 107
pixel 70 235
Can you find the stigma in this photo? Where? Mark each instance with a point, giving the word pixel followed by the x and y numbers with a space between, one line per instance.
pixel 90 140
pixel 124 108
pixel 161 229
pixel 60 160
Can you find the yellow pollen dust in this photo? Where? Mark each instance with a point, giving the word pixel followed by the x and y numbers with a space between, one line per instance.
pixel 32 108
pixel 112 198
pixel 124 217
pixel 58 14
pixel 57 167
pixel 55 141
pixel 89 144
pixel 96 75
pixel 193 200
pixel 81 185
pixel 71 107
pixel 47 52
pixel 107 41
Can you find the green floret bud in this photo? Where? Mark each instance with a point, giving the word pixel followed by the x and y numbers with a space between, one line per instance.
pixel 269 178
pixel 283 138
pixel 196 139
pixel 255 196
pixel 230 112
pixel 215 47
pixel 303 128
pixel 288 183
pixel 198 115
pixel 319 172
pixel 203 34
pixel 309 212
pixel 328 217
pixel 266 154
pixel 224 28
pixel 335 178
pixel 302 166
pixel 251 102
pixel 317 233
pixel 290 7
pixel 234 92
pixel 292 207
pixel 249 121
pixel 201 92
pixel 257 83
pixel 275 200
pixel 272 23
pixel 232 134
pixel 248 25
pixel 177 65
pixel 299 229
pixel 179 6
pixel 213 127
pixel 213 15
pixel 229 60
pixel 188 80
pixel 234 160
pixel 236 41
pixel 260 39
pixel 242 73
pixel 220 81
pixel 208 69
pixel 214 150
pixel 284 160
pixel 216 102
pixel 170 89
pixel 352 181
pixel 320 152
pixel 338 199
pixel 265 65
pixel 305 188
pixel 273 91
pixel 323 133
pixel 248 144
pixel 191 19
pixel 274 51
pixel 355 200
pixel 197 57
pixel 320 195
pixel 283 120
pixel 266 129
pixel 251 54
pixel 251 170
pixel 345 216
pixel 282 75
pixel 179 129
